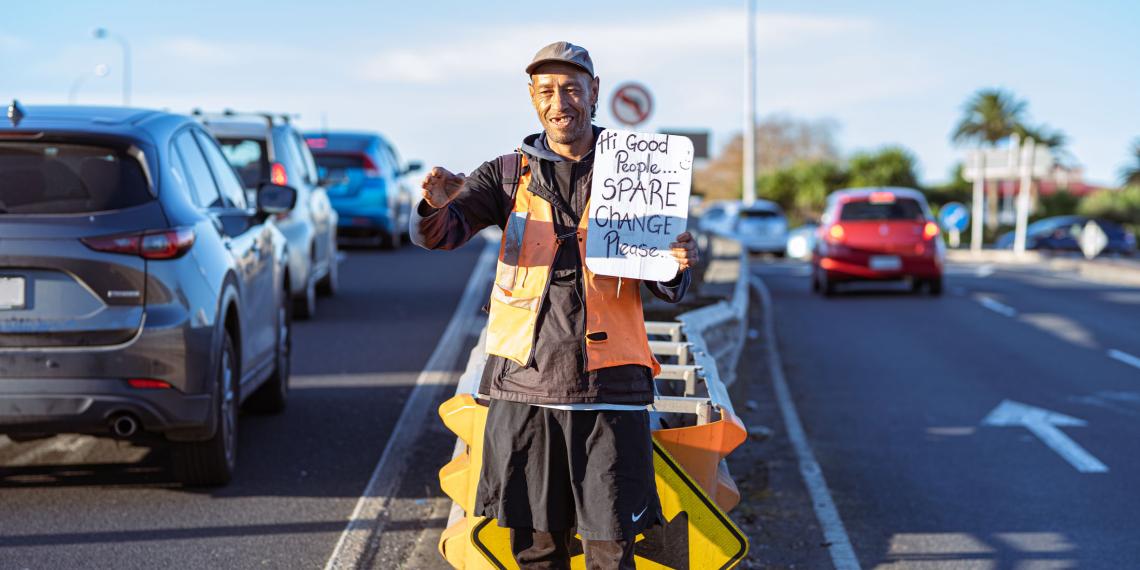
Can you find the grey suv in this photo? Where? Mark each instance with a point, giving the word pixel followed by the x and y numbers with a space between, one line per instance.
pixel 140 294
pixel 266 148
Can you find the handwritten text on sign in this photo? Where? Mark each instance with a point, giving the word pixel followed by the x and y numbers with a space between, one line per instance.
pixel 639 203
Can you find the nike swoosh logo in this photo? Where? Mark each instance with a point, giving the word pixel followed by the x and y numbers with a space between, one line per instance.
pixel 637 517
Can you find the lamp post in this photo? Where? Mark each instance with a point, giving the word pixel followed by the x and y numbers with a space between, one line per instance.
pixel 100 70
pixel 102 33
pixel 749 174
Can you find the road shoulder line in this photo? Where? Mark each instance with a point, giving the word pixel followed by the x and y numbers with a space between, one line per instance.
pixel 352 547
pixel 839 544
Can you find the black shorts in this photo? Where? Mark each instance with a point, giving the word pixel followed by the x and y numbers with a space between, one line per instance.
pixel 555 470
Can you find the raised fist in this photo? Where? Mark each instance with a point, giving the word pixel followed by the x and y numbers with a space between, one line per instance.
pixel 440 186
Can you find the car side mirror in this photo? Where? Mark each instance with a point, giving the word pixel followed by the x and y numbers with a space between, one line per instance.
pixel 275 198
pixel 413 166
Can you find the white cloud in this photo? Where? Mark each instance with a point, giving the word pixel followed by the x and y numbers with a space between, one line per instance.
pixel 619 48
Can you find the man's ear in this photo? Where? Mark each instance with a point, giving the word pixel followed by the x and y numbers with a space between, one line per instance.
pixel 530 88
pixel 594 83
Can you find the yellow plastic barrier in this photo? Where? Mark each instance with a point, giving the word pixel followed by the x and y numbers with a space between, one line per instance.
pixel 695 492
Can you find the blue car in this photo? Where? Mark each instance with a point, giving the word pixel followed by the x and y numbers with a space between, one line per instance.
pixel 1062 233
pixel 363 175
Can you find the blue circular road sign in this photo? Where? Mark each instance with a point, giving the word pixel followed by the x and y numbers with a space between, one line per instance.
pixel 954 216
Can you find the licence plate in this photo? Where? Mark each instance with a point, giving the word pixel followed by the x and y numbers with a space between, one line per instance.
pixel 11 293
pixel 885 263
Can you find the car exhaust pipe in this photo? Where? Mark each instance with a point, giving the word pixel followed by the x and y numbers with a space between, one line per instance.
pixel 124 425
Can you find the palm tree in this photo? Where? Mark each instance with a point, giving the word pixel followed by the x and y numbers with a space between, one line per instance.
pixel 1052 139
pixel 990 116
pixel 1130 174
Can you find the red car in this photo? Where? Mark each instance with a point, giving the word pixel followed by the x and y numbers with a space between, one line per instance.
pixel 878 234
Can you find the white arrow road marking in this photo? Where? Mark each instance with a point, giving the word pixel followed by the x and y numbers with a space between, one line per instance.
pixel 999 308
pixel 1124 357
pixel 1044 424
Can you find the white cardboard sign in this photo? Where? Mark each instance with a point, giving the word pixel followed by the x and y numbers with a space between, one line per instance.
pixel 639 203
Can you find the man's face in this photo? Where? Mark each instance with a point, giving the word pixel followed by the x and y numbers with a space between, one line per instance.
pixel 564 97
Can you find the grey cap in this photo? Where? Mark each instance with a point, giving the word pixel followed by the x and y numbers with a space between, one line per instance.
pixel 564 52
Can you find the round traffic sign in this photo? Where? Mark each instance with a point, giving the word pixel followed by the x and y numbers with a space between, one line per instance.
pixel 631 104
pixel 954 216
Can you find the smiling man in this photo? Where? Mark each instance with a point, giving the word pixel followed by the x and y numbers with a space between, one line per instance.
pixel 569 371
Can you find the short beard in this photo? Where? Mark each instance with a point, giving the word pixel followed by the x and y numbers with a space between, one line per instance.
pixel 562 137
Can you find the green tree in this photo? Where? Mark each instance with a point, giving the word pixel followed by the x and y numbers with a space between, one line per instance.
pixel 989 116
pixel 802 189
pixel 891 166
pixel 1122 206
pixel 1130 174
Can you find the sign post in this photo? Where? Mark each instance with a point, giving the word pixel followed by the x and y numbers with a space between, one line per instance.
pixel 631 104
pixel 954 217
pixel 639 204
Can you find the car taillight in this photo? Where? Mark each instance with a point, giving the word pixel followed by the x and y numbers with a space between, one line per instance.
pixel 277 174
pixel 371 170
pixel 317 142
pixel 163 244
pixel 882 197
pixel 836 233
pixel 148 384
pixel 930 230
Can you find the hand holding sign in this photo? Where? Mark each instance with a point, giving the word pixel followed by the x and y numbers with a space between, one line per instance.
pixel 639 205
pixel 441 186
pixel 684 251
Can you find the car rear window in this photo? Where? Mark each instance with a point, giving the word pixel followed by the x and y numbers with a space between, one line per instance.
pixel 899 209
pixel 39 177
pixel 758 214
pixel 339 161
pixel 249 157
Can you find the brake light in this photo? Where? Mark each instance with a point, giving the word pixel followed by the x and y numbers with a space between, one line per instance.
pixel 370 168
pixel 163 244
pixel 148 384
pixel 317 142
pixel 930 230
pixel 277 174
pixel 836 233
pixel 882 197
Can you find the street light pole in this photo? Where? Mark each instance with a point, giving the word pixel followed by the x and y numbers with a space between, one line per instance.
pixel 749 175
pixel 101 33
pixel 101 70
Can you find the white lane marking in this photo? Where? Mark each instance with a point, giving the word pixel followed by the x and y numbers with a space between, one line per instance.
pixel 839 545
pixel 1044 424
pixel 1124 357
pixel 999 308
pixel 984 271
pixel 353 543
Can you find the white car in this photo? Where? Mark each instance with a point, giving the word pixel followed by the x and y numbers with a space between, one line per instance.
pixel 762 228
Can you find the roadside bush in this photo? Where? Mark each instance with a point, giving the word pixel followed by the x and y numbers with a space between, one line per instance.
pixel 1121 206
pixel 1060 203
pixel 891 166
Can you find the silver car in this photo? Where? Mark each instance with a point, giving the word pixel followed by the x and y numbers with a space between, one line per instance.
pixel 266 148
pixel 762 228
pixel 140 294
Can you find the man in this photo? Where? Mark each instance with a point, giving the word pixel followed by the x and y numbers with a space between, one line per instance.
pixel 569 372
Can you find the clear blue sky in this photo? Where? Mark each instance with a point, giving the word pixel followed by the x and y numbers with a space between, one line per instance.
pixel 445 80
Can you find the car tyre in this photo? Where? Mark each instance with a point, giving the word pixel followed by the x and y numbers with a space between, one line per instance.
pixel 826 285
pixel 212 462
pixel 305 306
pixel 330 283
pixel 271 397
pixel 935 287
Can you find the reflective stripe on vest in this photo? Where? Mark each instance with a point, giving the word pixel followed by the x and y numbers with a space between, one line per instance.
pixel 615 325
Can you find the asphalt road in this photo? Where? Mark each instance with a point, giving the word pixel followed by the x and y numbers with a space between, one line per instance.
pixel 893 390
pixel 83 502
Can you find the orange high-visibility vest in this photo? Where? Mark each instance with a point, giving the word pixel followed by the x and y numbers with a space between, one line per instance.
pixel 615 324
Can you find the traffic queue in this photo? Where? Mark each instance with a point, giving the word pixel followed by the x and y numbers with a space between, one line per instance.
pixel 152 263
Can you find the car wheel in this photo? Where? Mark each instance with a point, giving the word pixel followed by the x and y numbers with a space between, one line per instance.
pixel 213 461
pixel 826 286
pixel 814 282
pixel 271 396
pixel 935 286
pixel 329 284
pixel 305 306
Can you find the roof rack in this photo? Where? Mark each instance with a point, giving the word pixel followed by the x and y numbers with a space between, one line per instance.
pixel 272 119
